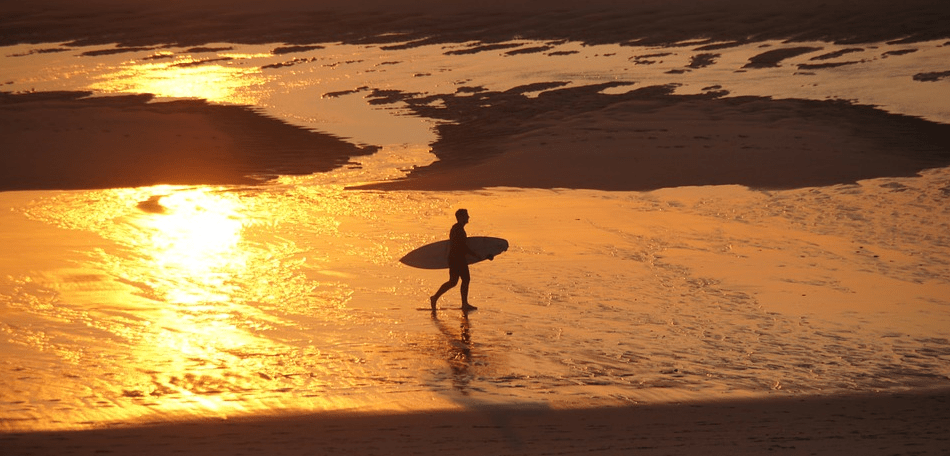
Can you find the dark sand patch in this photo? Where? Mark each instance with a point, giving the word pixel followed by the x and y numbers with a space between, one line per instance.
pixel 119 50
pixel 870 424
pixel 649 59
pixel 702 60
pixel 898 52
pixel 836 54
pixel 771 59
pixel 484 48
pixel 288 63
pixel 159 56
pixel 646 139
pixel 63 140
pixel 530 50
pixel 466 89
pixel 291 49
pixel 203 49
pixel 822 66
pixel 932 77
pixel 41 51
pixel 201 62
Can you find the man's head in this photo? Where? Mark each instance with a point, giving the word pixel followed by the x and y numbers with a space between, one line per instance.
pixel 461 215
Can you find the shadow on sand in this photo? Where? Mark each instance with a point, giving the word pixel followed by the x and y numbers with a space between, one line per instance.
pixel 865 424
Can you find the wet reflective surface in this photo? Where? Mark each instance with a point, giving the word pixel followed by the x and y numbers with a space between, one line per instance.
pixel 207 301
pixel 182 79
pixel 159 303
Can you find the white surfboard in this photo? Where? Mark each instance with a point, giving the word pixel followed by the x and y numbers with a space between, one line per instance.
pixel 436 254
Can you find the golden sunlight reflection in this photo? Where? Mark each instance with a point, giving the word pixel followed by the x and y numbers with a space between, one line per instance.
pixel 212 301
pixel 194 234
pixel 188 256
pixel 288 297
pixel 184 78
pixel 156 303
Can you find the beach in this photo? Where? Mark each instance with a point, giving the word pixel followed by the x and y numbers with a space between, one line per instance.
pixel 900 424
pixel 727 225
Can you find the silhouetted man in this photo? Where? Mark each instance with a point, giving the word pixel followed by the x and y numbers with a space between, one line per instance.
pixel 458 261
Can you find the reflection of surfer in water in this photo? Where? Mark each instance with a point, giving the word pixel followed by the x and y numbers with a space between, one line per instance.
pixel 458 262
pixel 458 351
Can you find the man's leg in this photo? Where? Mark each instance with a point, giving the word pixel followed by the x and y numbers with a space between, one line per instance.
pixel 453 280
pixel 466 278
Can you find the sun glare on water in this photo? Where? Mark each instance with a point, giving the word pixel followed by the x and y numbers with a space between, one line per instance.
pixel 193 306
pixel 183 78
pixel 213 302
pixel 187 256
pixel 195 235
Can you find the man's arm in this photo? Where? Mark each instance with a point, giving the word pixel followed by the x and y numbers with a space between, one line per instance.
pixel 461 238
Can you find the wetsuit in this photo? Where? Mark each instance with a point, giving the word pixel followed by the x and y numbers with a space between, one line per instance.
pixel 458 263
pixel 458 252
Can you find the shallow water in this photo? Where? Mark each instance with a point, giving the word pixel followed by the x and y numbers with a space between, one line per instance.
pixel 159 303
pixel 226 301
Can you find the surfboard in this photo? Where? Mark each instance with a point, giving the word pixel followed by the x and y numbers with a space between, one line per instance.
pixel 436 254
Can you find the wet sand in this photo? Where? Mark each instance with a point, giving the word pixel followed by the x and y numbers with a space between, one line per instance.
pixel 644 140
pixel 869 424
pixel 648 139
pixel 818 143
pixel 67 140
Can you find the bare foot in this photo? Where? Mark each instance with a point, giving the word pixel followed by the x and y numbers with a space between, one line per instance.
pixel 467 307
pixel 432 301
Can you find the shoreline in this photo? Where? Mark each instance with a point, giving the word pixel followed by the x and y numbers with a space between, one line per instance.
pixel 870 424
pixel 566 138
pixel 649 139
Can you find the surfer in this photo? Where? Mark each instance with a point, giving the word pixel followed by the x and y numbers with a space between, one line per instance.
pixel 458 264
